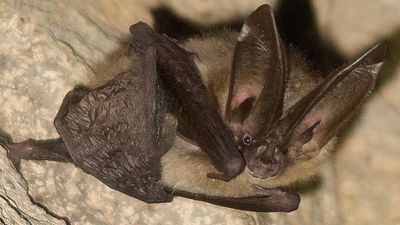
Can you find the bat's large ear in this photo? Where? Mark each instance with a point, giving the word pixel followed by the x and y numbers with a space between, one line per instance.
pixel 317 117
pixel 258 78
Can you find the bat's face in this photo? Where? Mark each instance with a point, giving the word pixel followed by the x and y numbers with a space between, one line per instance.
pixel 270 138
pixel 264 155
pixel 264 159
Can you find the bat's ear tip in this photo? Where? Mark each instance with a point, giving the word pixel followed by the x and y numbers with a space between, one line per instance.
pixel 143 36
pixel 378 52
pixel 384 45
pixel 264 7
pixel 261 11
pixel 139 27
pixel 385 48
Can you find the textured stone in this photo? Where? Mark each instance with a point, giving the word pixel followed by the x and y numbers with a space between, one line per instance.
pixel 355 25
pixel 43 56
pixel 15 205
pixel 48 47
pixel 208 13
pixel 368 162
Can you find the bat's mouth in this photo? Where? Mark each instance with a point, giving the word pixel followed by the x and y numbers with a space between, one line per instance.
pixel 257 176
pixel 266 165
pixel 264 172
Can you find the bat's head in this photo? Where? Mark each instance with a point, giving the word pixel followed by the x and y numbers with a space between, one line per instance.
pixel 264 154
pixel 266 158
pixel 270 138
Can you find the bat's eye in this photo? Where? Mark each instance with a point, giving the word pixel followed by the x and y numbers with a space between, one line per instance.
pixel 247 140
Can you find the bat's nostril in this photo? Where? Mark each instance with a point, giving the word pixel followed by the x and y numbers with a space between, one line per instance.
pixel 262 160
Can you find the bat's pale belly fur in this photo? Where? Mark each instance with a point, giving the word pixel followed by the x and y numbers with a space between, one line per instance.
pixel 185 166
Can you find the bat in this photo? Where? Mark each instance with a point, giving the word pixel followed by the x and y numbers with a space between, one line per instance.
pixel 227 118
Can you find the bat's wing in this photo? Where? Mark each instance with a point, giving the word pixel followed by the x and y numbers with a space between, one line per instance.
pixel 179 73
pixel 118 132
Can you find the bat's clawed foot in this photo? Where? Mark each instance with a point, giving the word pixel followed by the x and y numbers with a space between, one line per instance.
pixel 232 169
pixel 7 143
pixel 5 139
pixel 14 153
pixel 282 200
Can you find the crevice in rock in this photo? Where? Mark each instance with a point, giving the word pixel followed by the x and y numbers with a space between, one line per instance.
pixel 14 206
pixel 115 38
pixel 48 211
pixel 45 208
pixel 35 7
pixel 2 221
pixel 68 45
pixel 169 23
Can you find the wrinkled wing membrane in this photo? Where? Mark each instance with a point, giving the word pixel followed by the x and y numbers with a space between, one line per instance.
pixel 116 133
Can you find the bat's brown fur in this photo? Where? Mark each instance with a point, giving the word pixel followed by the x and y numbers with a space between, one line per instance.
pixel 185 167
pixel 119 61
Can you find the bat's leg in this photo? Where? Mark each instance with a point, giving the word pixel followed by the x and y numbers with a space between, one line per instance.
pixel 52 149
pixel 273 200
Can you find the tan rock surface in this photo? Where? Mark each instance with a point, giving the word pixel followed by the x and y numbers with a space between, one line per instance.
pixel 15 205
pixel 48 47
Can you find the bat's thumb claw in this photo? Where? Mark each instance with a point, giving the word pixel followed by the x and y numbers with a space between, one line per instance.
pixel 5 139
pixel 233 168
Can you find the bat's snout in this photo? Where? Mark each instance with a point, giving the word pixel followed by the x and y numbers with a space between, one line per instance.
pixel 264 163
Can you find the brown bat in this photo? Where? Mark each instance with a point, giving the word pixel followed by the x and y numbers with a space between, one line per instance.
pixel 231 119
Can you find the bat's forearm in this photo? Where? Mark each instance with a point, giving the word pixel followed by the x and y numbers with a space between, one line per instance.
pixel 179 73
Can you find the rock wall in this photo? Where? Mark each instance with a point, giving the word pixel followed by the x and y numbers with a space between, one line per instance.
pixel 47 47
